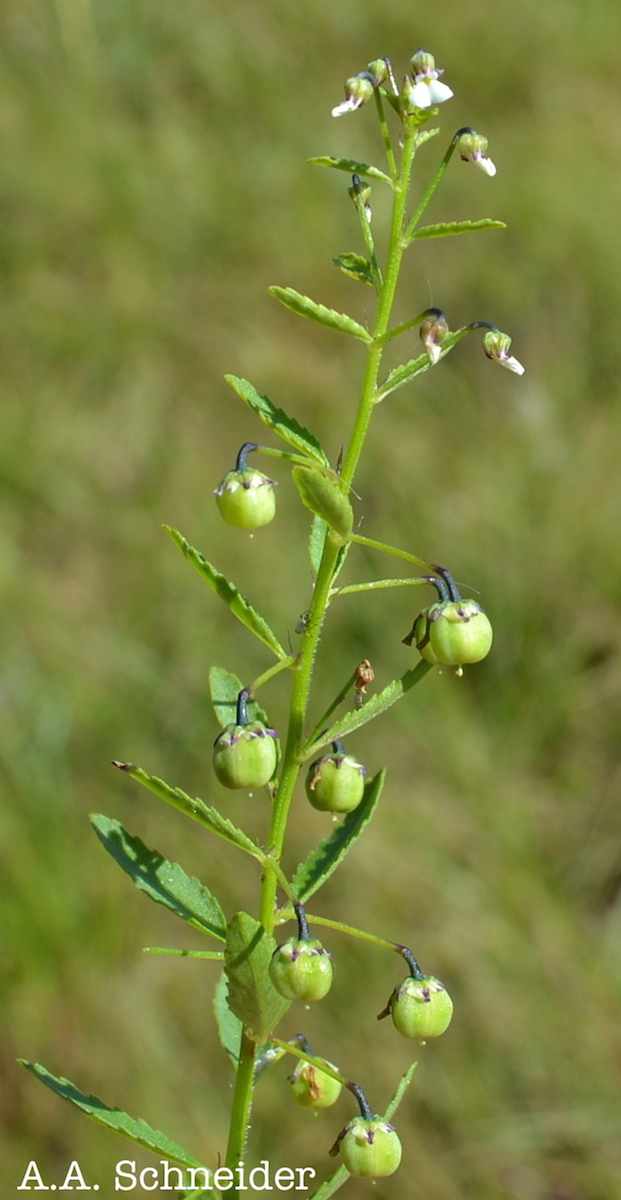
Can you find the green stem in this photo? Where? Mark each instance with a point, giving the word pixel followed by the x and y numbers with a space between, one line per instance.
pixel 390 154
pixel 376 584
pixel 269 674
pixel 242 1102
pixel 373 545
pixel 303 671
pixel 409 233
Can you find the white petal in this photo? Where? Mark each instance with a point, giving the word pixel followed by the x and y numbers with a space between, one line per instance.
pixel 512 364
pixel 420 95
pixel 439 92
pixel 485 164
pixel 347 106
pixel 433 352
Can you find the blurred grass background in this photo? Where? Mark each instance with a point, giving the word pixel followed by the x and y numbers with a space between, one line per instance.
pixel 152 185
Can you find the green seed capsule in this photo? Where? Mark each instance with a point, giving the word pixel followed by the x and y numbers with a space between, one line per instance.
pixel 312 1088
pixel 421 1008
pixel 246 499
pixel 453 633
pixel 302 970
pixel 370 1147
pixel 245 756
pixel 336 783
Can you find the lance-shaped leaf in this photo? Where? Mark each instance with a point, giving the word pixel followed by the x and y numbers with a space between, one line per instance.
pixel 409 370
pixel 326 857
pixel 133 1128
pixel 229 1026
pixel 194 808
pixel 452 228
pixel 239 606
pixel 251 994
pixel 356 267
pixel 321 492
pixel 403 374
pixel 285 426
pixel 165 882
pixel 224 688
pixel 230 1032
pixel 305 307
pixel 351 166
pixel 316 542
pixel 374 706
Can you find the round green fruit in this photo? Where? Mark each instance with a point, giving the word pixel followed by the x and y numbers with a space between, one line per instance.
pixel 312 1088
pixel 302 970
pixel 370 1147
pixel 453 633
pixel 245 756
pixel 246 499
pixel 421 1008
pixel 335 784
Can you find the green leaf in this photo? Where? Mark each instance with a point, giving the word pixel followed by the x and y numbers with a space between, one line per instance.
pixel 306 307
pixel 426 135
pixel 316 542
pixel 194 808
pixel 321 492
pixel 285 426
pixel 224 688
pixel 321 862
pixel 356 267
pixel 403 374
pixel 374 707
pixel 451 228
pixel 239 606
pixel 351 166
pixel 229 1026
pixel 165 882
pixel 252 996
pixel 409 370
pixel 135 1129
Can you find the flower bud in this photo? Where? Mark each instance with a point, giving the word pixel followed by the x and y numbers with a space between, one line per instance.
pixel 379 70
pixel 359 191
pixel 433 332
pixel 312 1088
pixel 496 345
pixel 245 756
pixel 370 1147
pixel 335 783
pixel 472 147
pixel 358 90
pixel 246 499
pixel 301 970
pixel 421 1008
pixel 453 633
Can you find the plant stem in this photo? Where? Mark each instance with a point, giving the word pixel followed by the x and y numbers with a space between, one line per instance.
pixel 303 670
pixel 242 1102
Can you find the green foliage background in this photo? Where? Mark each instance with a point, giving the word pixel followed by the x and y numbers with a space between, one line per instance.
pixel 152 185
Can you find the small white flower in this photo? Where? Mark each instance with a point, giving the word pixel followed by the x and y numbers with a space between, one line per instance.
pixel 429 90
pixel 496 345
pixel 433 332
pixel 473 148
pixel 358 90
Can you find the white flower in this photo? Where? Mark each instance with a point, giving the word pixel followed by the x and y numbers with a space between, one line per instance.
pixel 429 90
pixel 496 345
pixel 358 90
pixel 433 332
pixel 472 147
